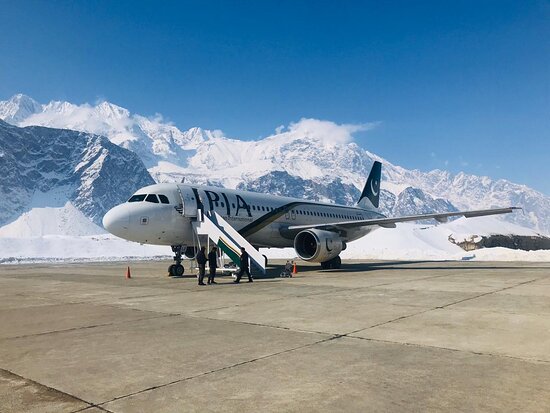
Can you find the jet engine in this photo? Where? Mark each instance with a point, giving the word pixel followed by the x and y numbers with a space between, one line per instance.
pixel 190 252
pixel 316 245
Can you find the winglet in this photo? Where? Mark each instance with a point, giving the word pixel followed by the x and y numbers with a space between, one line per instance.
pixel 371 192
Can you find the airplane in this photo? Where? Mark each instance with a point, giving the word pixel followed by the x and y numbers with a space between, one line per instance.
pixel 164 214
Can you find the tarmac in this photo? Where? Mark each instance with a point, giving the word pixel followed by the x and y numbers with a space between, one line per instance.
pixel 376 337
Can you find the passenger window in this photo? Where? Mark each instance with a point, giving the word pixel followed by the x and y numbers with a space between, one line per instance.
pixel 152 198
pixel 137 198
pixel 263 209
pixel 253 208
pixel 164 199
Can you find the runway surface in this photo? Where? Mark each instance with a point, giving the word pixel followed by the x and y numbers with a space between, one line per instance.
pixel 382 337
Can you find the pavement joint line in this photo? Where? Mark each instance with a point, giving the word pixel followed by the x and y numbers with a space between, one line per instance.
pixel 443 306
pixel 264 325
pixel 488 293
pixel 95 406
pixel 161 315
pixel 477 353
pixel 344 334
pixel 264 301
pixel 90 404
pixel 242 363
pixel 340 290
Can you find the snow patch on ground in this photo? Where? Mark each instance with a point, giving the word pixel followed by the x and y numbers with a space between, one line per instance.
pixel 73 248
pixel 406 242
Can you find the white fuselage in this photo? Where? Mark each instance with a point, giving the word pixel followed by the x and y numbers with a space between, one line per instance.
pixel 262 219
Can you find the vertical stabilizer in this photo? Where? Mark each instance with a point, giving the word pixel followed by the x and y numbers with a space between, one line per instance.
pixel 371 192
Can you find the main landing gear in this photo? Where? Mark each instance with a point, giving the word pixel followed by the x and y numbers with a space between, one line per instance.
pixel 176 270
pixel 333 264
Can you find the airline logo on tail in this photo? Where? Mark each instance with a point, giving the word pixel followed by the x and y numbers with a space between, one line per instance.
pixel 371 191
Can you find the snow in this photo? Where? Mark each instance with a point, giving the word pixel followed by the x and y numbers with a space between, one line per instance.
pixel 71 248
pixel 406 242
pixel 430 242
pixel 312 149
pixel 317 150
pixel 63 220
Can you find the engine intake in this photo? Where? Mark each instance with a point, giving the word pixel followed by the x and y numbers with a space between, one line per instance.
pixel 316 245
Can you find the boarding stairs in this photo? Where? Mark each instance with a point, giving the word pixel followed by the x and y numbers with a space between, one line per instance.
pixel 211 224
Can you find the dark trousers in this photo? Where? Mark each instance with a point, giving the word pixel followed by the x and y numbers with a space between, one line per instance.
pixel 202 272
pixel 246 271
pixel 212 274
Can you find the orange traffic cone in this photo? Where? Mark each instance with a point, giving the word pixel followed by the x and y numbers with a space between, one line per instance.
pixel 294 269
pixel 128 275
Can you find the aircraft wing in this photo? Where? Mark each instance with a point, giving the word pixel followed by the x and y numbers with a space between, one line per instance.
pixel 390 222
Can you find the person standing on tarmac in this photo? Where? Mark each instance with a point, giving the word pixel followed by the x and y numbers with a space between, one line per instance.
pixel 212 265
pixel 244 267
pixel 201 260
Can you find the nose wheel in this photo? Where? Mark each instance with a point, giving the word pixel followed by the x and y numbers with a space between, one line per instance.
pixel 176 270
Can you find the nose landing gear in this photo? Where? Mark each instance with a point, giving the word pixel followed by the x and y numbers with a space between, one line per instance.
pixel 176 270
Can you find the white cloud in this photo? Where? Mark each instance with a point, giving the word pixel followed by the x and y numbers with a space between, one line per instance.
pixel 327 131
pixel 463 162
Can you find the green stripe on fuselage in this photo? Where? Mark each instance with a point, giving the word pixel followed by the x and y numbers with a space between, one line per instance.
pixel 268 218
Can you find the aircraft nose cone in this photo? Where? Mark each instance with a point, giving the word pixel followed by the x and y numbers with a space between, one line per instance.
pixel 116 221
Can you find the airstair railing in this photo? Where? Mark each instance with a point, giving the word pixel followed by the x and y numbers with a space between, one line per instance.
pixel 226 237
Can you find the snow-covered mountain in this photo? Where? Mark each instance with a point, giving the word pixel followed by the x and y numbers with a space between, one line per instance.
pixel 56 178
pixel 310 158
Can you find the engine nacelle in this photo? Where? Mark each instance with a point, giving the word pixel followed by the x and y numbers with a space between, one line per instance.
pixel 190 252
pixel 316 245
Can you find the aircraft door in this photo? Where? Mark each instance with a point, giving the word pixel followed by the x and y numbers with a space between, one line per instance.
pixel 189 201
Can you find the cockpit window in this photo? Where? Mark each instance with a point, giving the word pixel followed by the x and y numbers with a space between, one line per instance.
pixel 137 198
pixel 164 199
pixel 152 198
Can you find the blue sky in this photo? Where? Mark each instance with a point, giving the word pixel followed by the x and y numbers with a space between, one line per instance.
pixel 463 86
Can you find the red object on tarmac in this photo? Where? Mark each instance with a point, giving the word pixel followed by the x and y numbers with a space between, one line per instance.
pixel 294 269
pixel 128 275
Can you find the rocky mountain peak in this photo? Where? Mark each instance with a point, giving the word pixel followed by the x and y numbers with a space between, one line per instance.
pixel 18 108
pixel 87 170
pixel 312 153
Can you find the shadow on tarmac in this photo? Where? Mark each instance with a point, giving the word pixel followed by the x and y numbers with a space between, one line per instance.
pixel 274 271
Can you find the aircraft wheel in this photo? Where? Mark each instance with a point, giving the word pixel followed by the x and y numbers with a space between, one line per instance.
pixel 336 262
pixel 171 270
pixel 325 265
pixel 178 270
